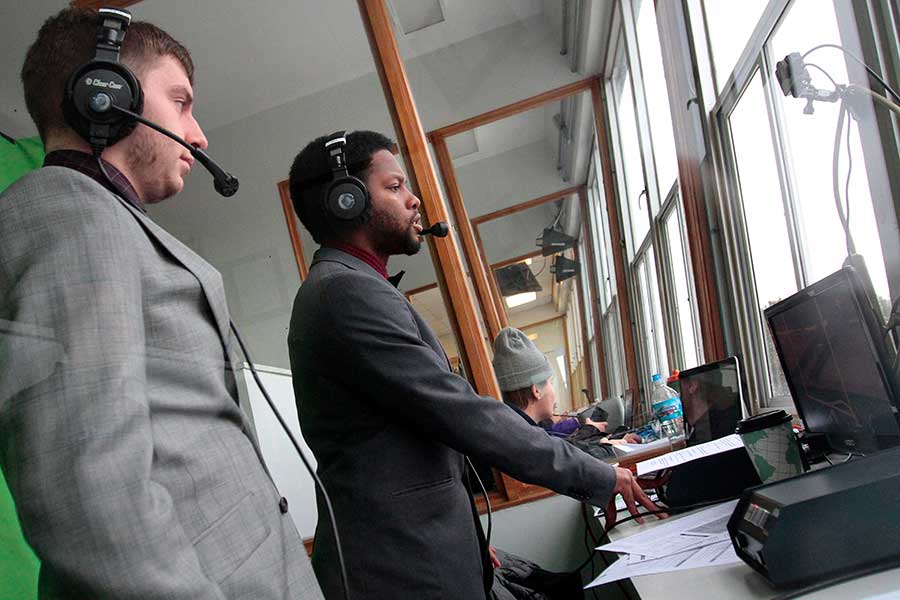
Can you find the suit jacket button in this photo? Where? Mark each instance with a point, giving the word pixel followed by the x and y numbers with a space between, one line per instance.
pixel 283 505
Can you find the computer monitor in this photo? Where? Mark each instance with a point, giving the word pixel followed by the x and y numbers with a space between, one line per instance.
pixel 711 398
pixel 837 364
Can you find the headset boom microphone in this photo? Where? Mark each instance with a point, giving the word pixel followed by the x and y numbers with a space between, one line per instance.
pixel 439 229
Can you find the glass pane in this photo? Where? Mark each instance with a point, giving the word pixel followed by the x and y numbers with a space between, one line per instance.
pixel 811 139
pixel 657 96
pixel 684 301
pixel 633 196
pixel 761 195
pixel 764 212
pixel 585 298
pixel 659 332
pixel 730 25
pixel 615 358
pixel 597 245
pixel 533 294
pixel 647 341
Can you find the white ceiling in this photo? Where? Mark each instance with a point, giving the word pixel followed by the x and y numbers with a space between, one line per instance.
pixel 252 56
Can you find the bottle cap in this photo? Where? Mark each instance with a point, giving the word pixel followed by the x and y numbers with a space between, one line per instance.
pixel 655 377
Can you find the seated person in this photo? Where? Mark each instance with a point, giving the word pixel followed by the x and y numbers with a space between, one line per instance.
pixel 525 379
pixel 563 425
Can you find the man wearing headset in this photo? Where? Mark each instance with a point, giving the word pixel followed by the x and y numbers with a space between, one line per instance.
pixel 388 421
pixel 133 468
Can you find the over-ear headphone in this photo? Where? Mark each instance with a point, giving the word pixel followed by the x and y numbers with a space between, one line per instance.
pixel 94 88
pixel 346 197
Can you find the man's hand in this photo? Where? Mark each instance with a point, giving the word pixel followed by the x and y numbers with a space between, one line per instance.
pixel 630 438
pixel 630 489
pixel 494 560
pixel 599 425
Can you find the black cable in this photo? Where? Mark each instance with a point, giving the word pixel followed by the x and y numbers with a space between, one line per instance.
pixel 859 61
pixel 8 138
pixel 337 542
pixel 487 503
pixel 103 169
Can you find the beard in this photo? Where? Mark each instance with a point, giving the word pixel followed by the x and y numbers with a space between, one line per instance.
pixel 144 159
pixel 391 236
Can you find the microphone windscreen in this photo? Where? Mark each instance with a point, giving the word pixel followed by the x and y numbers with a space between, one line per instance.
pixel 439 229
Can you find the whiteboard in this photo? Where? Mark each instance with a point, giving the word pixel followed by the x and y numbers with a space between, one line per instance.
pixel 286 468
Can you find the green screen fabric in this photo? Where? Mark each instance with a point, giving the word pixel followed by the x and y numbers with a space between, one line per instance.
pixel 18 564
pixel 19 158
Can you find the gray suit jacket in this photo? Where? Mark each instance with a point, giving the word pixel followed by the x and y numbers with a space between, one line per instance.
pixel 134 470
pixel 389 424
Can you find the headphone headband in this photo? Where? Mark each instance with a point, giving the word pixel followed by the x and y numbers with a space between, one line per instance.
pixel 113 25
pixel 346 197
pixel 97 88
pixel 337 160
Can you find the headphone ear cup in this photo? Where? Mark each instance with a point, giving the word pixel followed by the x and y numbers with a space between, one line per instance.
pixel 346 199
pixel 116 81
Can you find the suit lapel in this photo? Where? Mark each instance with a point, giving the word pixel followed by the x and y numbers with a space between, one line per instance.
pixel 210 279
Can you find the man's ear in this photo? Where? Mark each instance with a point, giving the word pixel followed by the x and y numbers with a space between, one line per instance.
pixel 535 392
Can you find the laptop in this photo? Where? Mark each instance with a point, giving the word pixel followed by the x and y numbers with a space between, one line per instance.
pixel 712 400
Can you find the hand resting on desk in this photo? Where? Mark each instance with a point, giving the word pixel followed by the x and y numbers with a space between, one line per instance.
pixel 633 494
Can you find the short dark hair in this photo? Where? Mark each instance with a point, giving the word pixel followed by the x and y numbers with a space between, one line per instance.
pixel 310 175
pixel 66 41
pixel 522 397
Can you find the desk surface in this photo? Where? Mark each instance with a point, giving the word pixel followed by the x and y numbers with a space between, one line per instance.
pixel 739 581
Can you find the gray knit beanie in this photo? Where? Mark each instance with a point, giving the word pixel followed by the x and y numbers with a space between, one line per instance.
pixel 517 361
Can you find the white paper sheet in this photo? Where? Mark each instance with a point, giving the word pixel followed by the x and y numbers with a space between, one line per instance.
pixel 679 534
pixel 688 454
pixel 719 553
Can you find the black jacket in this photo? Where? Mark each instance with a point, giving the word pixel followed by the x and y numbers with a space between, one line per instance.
pixel 389 424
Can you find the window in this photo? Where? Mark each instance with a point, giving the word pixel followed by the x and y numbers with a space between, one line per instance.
pixel 656 94
pixel 682 300
pixel 730 25
pixel 659 274
pixel 782 219
pixel 634 193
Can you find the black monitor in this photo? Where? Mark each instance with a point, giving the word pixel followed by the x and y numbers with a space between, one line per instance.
pixel 712 400
pixel 837 363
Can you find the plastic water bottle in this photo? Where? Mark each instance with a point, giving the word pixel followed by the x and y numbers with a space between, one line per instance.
pixel 666 405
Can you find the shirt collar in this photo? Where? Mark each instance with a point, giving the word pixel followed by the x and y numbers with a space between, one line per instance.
pixel 367 257
pixel 521 412
pixel 86 164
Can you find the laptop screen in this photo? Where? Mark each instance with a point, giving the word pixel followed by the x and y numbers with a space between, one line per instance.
pixel 711 399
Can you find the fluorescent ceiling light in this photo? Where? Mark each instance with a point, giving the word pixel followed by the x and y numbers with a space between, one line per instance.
pixel 520 299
